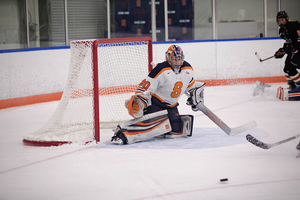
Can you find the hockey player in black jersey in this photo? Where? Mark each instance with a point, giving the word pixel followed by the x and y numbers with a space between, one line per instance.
pixel 290 32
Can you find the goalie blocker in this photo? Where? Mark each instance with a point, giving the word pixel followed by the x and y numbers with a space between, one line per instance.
pixel 149 126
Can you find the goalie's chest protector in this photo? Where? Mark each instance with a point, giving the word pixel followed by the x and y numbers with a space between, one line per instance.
pixel 168 86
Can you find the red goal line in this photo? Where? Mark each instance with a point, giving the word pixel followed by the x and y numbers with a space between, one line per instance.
pixel 22 101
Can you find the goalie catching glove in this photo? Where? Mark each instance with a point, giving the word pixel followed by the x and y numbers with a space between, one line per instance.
pixel 136 105
pixel 196 96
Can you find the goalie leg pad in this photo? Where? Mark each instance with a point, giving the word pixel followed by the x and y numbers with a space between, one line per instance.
pixel 285 94
pixel 294 94
pixel 146 127
pixel 282 94
pixel 187 127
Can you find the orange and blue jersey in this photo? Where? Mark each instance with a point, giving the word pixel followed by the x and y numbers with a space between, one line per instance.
pixel 167 86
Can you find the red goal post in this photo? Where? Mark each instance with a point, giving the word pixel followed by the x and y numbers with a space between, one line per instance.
pixel 103 73
pixel 95 69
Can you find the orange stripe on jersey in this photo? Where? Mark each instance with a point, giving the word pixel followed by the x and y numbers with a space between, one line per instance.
pixel 187 67
pixel 192 83
pixel 173 105
pixel 288 77
pixel 138 92
pixel 158 97
pixel 295 78
pixel 163 100
pixel 163 70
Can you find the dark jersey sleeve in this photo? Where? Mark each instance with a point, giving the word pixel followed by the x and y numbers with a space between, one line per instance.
pixel 185 63
pixel 293 34
pixel 282 33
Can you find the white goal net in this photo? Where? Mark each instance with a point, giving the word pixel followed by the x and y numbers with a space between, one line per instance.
pixel 102 75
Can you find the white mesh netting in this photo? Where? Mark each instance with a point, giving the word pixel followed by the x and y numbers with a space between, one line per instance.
pixel 121 67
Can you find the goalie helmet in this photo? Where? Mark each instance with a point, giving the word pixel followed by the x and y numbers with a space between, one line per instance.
pixel 282 14
pixel 175 57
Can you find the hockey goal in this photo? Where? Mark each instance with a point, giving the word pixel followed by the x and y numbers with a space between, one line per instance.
pixel 102 75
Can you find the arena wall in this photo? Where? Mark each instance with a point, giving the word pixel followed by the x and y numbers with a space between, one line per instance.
pixel 39 75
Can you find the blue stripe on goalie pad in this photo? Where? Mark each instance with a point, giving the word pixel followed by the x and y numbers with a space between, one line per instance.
pixel 294 94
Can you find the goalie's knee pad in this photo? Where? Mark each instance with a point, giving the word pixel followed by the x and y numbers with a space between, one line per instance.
pixel 187 127
pixel 144 128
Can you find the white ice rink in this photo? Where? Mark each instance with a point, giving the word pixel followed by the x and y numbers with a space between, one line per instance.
pixel 182 168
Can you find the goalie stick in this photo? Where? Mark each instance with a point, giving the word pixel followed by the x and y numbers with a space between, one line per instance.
pixel 263 145
pixel 261 60
pixel 222 125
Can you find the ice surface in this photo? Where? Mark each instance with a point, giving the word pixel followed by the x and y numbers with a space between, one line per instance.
pixel 181 168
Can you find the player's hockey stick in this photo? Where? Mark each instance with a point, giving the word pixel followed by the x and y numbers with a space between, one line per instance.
pixel 222 125
pixel 263 145
pixel 261 60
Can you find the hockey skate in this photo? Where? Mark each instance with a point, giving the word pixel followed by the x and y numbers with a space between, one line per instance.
pixel 259 88
pixel 172 135
pixel 298 147
pixel 119 137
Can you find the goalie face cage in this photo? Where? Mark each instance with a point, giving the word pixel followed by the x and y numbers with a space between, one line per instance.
pixel 102 75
